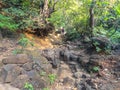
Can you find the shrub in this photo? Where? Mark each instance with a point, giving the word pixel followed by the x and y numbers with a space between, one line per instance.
pixel 72 34
pixel 52 78
pixel 8 23
pixel 28 86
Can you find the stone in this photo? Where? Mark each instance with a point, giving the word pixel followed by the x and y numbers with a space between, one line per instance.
pixel 49 54
pixel 5 73
pixel 39 83
pixel 41 63
pixel 7 87
pixel 53 57
pixel 20 81
pixel 10 72
pixel 73 57
pixel 85 76
pixel 107 86
pixel 96 60
pixel 83 60
pixel 84 86
pixel 16 59
pixel 31 74
pixel 56 63
pixel 28 66
pixel 77 75
pixel 67 55
pixel 68 81
pixel 15 72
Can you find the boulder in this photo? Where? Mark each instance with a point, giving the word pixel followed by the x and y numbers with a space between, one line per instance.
pixel 96 60
pixel 53 57
pixel 20 81
pixel 7 87
pixel 77 75
pixel 73 57
pixel 83 60
pixel 39 83
pixel 28 66
pixel 67 55
pixel 41 63
pixel 68 81
pixel 16 59
pixel 31 74
pixel 56 63
pixel 5 75
pixel 10 72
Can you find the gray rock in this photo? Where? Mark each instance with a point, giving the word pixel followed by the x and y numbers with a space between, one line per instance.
pixel 77 75
pixel 107 86
pixel 96 60
pixel 16 59
pixel 28 66
pixel 39 83
pixel 20 81
pixel 5 74
pixel 67 55
pixel 7 87
pixel 68 81
pixel 41 63
pixel 83 60
pixel 31 74
pixel 53 57
pixel 56 63
pixel 16 71
pixel 73 57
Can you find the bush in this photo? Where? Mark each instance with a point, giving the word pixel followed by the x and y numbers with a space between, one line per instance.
pixel 7 23
pixel 72 34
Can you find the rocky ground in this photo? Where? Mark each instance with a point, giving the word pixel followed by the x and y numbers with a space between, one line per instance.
pixel 74 66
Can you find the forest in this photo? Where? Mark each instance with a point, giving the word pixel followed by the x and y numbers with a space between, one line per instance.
pixel 59 44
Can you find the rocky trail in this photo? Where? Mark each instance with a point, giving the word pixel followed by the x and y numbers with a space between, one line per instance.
pixel 51 65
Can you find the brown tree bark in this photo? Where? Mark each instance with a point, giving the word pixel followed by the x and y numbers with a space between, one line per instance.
pixel 46 9
pixel 91 14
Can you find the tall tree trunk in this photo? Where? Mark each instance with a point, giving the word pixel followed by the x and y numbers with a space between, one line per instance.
pixel 1 39
pixel 46 9
pixel 91 19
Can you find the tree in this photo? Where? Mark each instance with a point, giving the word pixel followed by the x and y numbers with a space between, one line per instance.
pixel 91 13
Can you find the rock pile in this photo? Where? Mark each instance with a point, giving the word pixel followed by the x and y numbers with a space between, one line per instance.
pixel 20 69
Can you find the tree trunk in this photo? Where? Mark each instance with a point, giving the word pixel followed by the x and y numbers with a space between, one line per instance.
pixel 46 9
pixel 1 36
pixel 91 19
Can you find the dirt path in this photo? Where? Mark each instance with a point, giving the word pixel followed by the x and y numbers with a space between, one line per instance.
pixel 66 78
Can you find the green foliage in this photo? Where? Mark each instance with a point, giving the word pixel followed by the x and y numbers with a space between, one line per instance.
pixel 42 73
pixel 17 51
pixel 24 41
pixel 96 44
pixel 95 69
pixel 28 86
pixel 72 34
pixel 22 12
pixel 52 78
pixel 8 23
pixel 73 15
pixel 106 49
pixel 108 19
pixel 116 37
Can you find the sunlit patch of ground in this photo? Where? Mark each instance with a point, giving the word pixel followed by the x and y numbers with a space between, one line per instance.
pixel 40 43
